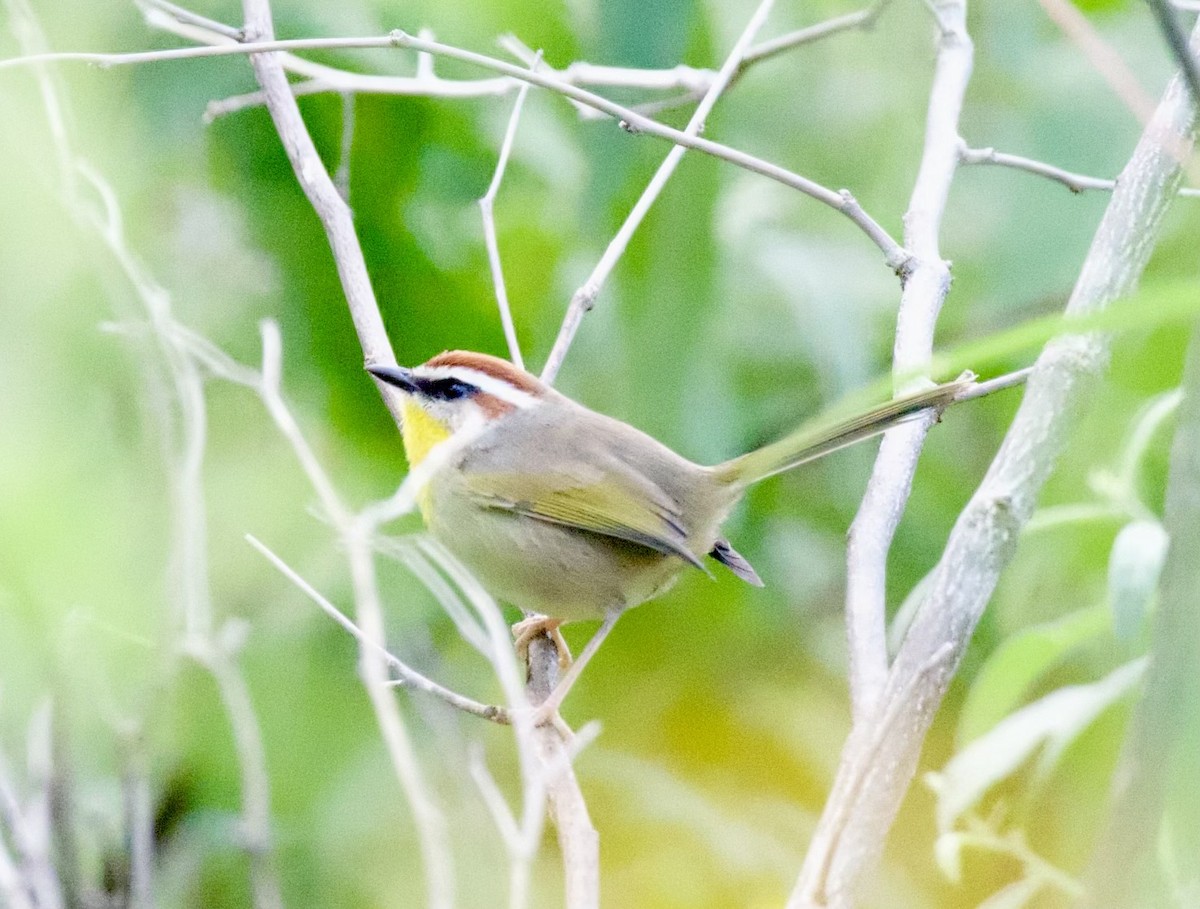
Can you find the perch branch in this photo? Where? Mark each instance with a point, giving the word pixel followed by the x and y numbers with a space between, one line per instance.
pixel 335 217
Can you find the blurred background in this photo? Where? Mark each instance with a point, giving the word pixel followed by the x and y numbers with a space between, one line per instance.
pixel 740 307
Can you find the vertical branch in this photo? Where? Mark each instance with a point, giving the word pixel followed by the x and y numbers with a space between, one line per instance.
pixel 925 289
pixel 434 841
pixel 489 222
pixel 578 840
pixel 879 760
pixel 218 656
pixel 330 207
pixel 585 297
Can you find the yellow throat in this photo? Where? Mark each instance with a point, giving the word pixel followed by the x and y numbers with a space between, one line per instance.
pixel 421 433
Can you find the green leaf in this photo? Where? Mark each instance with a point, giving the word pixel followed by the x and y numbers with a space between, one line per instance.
pixel 1016 665
pixel 1052 723
pixel 1134 564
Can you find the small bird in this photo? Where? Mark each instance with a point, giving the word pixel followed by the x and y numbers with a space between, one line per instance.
pixel 570 514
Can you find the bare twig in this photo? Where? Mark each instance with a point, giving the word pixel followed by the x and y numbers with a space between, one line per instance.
pixel 585 297
pixel 864 18
pixel 633 122
pixel 319 78
pixel 696 82
pixel 188 511
pixel 925 290
pixel 408 677
pixel 486 205
pixel 217 654
pixel 331 209
pixel 435 849
pixel 330 212
pixel 12 887
pixel 981 389
pixel 1076 183
pixel 28 826
pixel 869 786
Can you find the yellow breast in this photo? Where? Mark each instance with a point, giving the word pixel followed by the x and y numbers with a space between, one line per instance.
pixel 421 433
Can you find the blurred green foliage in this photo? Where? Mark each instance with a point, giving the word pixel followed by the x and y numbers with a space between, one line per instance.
pixel 739 307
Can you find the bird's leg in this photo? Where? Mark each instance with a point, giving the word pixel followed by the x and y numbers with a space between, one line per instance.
pixel 548 709
pixel 529 628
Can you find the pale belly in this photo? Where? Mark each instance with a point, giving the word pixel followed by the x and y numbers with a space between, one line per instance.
pixel 557 571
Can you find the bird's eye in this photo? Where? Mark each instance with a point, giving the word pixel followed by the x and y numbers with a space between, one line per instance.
pixel 449 389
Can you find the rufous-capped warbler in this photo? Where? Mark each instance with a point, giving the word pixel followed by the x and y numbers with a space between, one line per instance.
pixel 573 515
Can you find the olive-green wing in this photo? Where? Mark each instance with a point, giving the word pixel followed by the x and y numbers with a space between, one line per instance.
pixel 619 505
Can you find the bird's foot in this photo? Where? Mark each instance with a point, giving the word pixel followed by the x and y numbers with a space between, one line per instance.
pixel 529 628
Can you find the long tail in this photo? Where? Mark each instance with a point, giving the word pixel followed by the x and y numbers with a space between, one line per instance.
pixel 822 436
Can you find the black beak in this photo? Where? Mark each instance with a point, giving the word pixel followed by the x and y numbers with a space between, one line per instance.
pixel 393 375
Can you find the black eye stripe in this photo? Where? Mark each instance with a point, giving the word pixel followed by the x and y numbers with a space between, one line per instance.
pixel 447 389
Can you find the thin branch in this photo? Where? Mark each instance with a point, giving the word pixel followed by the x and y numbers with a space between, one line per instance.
pixel 1076 183
pixel 696 82
pixel 218 656
pixel 864 19
pixel 634 122
pixel 415 561
pixel 331 209
pixel 585 297
pixel 311 173
pixel 28 826
pixel 486 205
pixel 188 510
pixel 869 786
pixel 981 389
pixel 408 677
pixel 928 283
pixel 11 886
pixel 320 79
pixel 153 8
pixel 230 49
